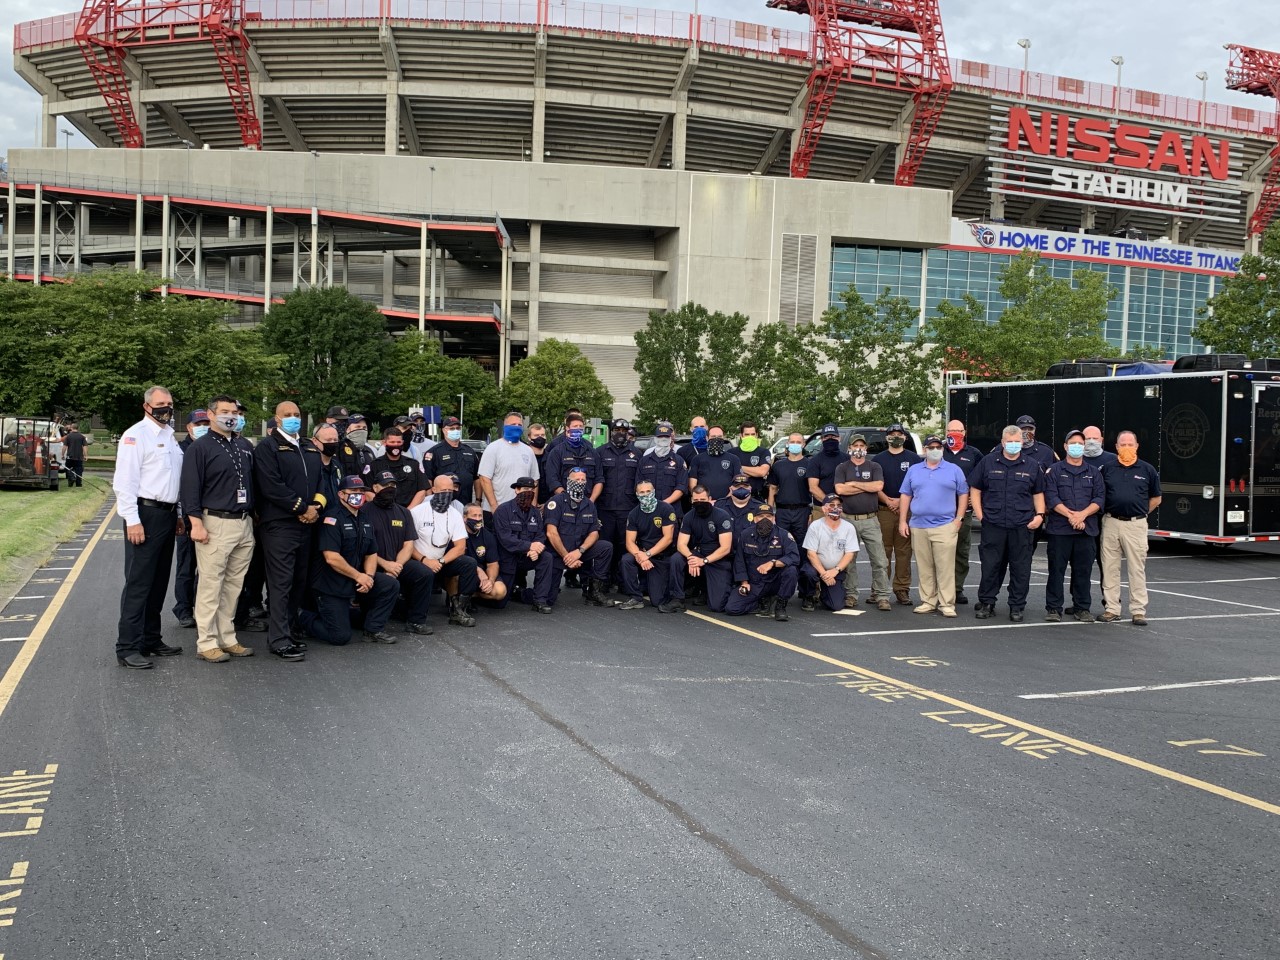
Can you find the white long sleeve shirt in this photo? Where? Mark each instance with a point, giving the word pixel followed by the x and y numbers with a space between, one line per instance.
pixel 148 465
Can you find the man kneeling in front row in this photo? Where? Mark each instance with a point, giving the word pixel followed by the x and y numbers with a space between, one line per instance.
pixel 831 547
pixel 765 567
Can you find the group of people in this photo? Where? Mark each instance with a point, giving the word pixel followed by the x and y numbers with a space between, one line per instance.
pixel 345 535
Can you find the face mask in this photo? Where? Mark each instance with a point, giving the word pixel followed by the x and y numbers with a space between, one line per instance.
pixel 227 422
pixel 858 453
pixel 1013 447
pixel 795 449
pixel 740 493
pixel 933 455
pixel 833 514
pixel 699 437
pixel 715 446
pixel 524 499
pixel 354 499
pixel 163 414
pixel 619 440
pixel 475 526
pixel 392 450
pixel 329 448
pixel 1028 438
pixel 662 445
pixel 1075 450
pixel 648 502
pixel 358 437
pixel 831 445
pixel 1092 448
pixel 897 443
pixel 575 436
pixel 440 501
pixel 749 444
pixel 291 425
pixel 702 508
pixel 577 489
pixel 537 442
pixel 764 527
pixel 512 433
pixel 240 423
pixel 1127 456
pixel 200 431
pixel 955 441
pixel 453 435
pixel 384 498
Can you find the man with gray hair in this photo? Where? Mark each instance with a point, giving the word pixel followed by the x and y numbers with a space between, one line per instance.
pixel 1007 491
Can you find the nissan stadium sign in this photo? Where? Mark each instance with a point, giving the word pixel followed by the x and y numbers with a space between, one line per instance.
pixel 1108 162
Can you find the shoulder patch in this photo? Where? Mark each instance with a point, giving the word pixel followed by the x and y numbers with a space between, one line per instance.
pixel 332 521
pixel 726 524
pixel 551 504
pixel 428 455
pixel 480 550
pixel 129 441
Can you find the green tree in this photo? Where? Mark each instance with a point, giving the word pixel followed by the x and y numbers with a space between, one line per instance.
pixel 873 365
pixel 1244 316
pixel 420 374
pixel 1048 319
pixel 555 378
pixel 221 360
pixel 334 346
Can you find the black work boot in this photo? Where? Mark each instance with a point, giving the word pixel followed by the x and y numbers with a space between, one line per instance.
pixel 780 611
pixel 766 607
pixel 459 615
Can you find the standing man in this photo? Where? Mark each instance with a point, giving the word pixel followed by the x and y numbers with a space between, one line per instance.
pixel 619 466
pixel 1007 490
pixel 822 473
pixel 715 468
pixel 704 550
pixel 859 481
pixel 184 576
pixel 355 456
pixel 218 499
pixel 895 462
pixel 411 485
pixel 1132 492
pixel 452 456
pixel 395 536
pixel 789 489
pixel 1074 493
pixel 1041 453
pixel 766 565
pixel 522 543
pixel 287 472
pixel 831 547
pixel 535 439
pixel 663 468
pixel 965 457
pixel 573 530
pixel 573 453
pixel 73 447
pixel 348 570
pixel 651 532
pixel 147 480
pixel 755 459
pixel 325 440
pixel 934 498
pixel 441 547
pixel 697 443
pixel 503 462
pixel 1094 455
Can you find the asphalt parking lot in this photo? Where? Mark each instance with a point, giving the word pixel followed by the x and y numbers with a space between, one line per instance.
pixel 599 783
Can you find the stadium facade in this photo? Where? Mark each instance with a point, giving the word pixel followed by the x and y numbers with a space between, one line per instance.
pixel 502 171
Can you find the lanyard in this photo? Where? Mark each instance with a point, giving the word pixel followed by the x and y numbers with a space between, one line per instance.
pixel 233 454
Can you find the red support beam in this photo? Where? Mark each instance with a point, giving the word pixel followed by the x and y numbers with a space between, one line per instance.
pixel 1251 70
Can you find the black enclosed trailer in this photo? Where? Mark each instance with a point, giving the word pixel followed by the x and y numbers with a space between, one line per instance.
pixel 1213 435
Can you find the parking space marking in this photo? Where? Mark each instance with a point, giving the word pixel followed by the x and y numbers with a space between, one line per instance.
pixel 1145 689
pixel 1087 628
pixel 1230 603
pixel 1178 582
pixel 1125 759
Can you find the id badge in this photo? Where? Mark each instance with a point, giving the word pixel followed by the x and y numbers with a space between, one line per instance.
pixel 242 496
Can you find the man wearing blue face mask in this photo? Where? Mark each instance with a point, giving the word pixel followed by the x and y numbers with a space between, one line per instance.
pixel 574 453
pixel 505 461
pixel 698 443
pixel 1075 493
pixel 789 488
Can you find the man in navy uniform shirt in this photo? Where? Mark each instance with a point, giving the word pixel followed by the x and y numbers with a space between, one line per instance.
pixel 822 476
pixel 716 467
pixel 766 568
pixel 522 545
pixel 895 462
pixel 651 532
pixel 1132 492
pixel 1074 494
pixel 789 488
pixel 482 547
pixel 619 466
pixel 740 504
pixel 664 468
pixel 573 531
pixel 755 458
pixel 704 550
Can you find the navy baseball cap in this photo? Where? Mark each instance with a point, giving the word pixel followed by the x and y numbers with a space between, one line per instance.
pixel 932 439
pixel 338 413
pixel 1073 433
pixel 833 498
pixel 352 482
pixel 198 415
pixel 663 429
pixel 1025 421
pixel 831 430
pixel 524 482
pixel 896 428
pixel 384 478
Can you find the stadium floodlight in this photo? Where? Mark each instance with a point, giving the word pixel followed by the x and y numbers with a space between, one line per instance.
pixel 1203 77
pixel 1119 62
pixel 1025 44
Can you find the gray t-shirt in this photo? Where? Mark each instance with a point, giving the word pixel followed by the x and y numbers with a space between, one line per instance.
pixel 831 545
pixel 868 472
pixel 505 463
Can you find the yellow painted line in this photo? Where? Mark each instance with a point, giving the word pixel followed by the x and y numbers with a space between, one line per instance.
pixel 1128 761
pixel 13 676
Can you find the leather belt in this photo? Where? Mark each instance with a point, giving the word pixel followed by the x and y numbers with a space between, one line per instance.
pixel 793 506
pixel 1114 516
pixel 860 516
pixel 158 504
pixel 227 514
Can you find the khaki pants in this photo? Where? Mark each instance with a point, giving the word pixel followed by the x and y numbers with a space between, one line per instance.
pixel 935 552
pixel 221 563
pixel 897 549
pixel 1127 539
pixel 871 546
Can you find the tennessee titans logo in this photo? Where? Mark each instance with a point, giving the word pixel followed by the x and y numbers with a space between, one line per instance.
pixel 985 236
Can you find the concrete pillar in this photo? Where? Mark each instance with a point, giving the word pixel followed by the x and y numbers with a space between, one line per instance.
pixel 391 129
pixel 315 248
pixel 346 268
pixel 139 111
pixel 79 210
pixel 504 343
pixel 1088 217
pixel 535 283
pixel 166 241
pixel 388 279
pixel 266 261
pixel 37 224
pixel 679 136
pixel 11 223
pixel 53 237
pixel 295 281
pixel 539 146
pixel 47 127
pixel 997 206
pixel 199 252
pixel 422 279
pixel 139 225
pixel 328 261
pixel 434 256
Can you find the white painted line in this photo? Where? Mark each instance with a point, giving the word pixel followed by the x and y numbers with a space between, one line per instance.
pixel 51 569
pixel 1230 603
pixel 11 639
pixel 1165 583
pixel 29 598
pixel 1161 686
pixel 1023 626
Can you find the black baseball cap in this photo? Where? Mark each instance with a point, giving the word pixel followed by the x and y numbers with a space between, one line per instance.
pixel 934 438
pixel 896 428
pixel 401 421
pixel 384 478
pixel 741 478
pixel 524 482
pixel 1073 433
pixel 1025 421
pixel 832 498
pixel 338 413
pixel 663 429
pixel 450 422
pixel 356 418
pixel 830 430
pixel 763 508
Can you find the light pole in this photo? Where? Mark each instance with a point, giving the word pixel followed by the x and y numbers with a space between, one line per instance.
pixel 1025 44
pixel 1204 97
pixel 1119 62
pixel 431 193
pixel 315 163
pixel 67 150
pixel 461 400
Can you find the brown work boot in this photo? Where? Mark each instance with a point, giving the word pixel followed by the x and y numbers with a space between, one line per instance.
pixel 239 651
pixel 213 656
pixel 883 604
pixel 904 597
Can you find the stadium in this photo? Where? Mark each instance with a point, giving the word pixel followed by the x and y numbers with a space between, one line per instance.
pixel 501 171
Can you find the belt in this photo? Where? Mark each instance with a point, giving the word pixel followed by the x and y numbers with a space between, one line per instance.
pixel 859 516
pixel 1115 516
pixel 227 514
pixel 158 504
pixel 793 506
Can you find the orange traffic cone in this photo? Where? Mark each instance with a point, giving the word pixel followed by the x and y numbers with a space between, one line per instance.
pixel 39 458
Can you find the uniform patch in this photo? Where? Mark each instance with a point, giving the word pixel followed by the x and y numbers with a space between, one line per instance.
pixel 711 527
pixel 724 464
pixel 427 456
pixel 129 441
pixel 751 518
pixel 407 469
pixel 551 504
pixel 726 524
pixel 800 472
pixel 657 521
pixel 397 523
pixel 332 521
pixel 480 551
pixel 631 456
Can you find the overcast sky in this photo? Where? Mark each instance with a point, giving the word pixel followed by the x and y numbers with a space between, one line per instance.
pixel 1163 44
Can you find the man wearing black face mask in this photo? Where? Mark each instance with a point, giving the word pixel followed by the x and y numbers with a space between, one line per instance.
pixel 442 547
pixel 740 504
pixel 704 550
pixel 822 469
pixel 411 487
pixel 325 439
pixel 715 468
pixel 619 465
pixel 395 535
pixel 895 462
pixel 522 544
pixel 766 567
pixel 573 530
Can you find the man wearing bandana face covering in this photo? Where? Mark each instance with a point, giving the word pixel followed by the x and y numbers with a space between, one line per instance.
pixel 442 548
pixel 698 430
pixel 664 468
pixel 619 466
pixel 715 468
pixel 766 565
pixel 522 544
pixel 573 530
pixel 651 532
pixel 573 453
pixel 755 459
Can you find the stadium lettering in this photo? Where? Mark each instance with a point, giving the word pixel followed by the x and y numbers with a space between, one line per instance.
pixel 1095 140
pixel 1116 186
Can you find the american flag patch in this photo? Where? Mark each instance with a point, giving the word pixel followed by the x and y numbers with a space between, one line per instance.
pixel 129 441
pixel 332 521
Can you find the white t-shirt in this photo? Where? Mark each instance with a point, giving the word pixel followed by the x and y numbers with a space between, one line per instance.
pixel 505 463
pixel 437 532
pixel 831 545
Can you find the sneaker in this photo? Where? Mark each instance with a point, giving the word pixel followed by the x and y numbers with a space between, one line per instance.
pixel 1139 621
pixel 1084 616
pixel 883 604
pixel 924 608
pixel 421 629
pixel 239 651
pixel 948 612
pixel 543 608
pixel 214 656
pixel 1109 618
pixel 631 603
pixel 188 622
pixel 1052 616
pixel 671 606
pixel 808 604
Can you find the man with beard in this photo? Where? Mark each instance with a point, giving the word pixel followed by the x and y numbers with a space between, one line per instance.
pixel 522 544
pixel 441 547
pixel 619 464
pixel 573 531
pixel 411 487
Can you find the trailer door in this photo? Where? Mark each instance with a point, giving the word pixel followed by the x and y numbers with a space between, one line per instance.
pixel 1264 493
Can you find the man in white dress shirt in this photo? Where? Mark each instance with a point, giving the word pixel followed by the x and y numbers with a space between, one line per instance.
pixel 148 471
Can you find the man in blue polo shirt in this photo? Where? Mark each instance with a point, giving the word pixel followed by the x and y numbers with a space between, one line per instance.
pixel 932 506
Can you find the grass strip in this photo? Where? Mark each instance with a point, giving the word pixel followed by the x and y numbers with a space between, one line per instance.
pixel 34 522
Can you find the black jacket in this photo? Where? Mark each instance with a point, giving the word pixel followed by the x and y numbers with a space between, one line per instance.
pixel 287 476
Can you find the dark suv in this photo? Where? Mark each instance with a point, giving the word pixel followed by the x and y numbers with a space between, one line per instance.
pixel 875 441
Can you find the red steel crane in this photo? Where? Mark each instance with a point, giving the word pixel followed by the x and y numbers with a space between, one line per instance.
pixel 108 29
pixel 1258 71
pixel 889 44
